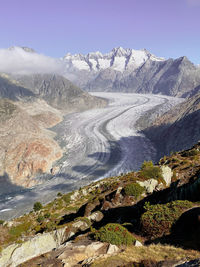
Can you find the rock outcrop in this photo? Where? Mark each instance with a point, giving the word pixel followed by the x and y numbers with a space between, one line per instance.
pixel 32 247
pixel 167 174
pixel 149 185
pixel 18 253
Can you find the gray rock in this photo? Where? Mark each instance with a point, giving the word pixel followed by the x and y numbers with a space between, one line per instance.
pixel 192 263
pixel 16 254
pixel 149 185
pixel 138 244
pixel 96 216
pixel 74 196
pixel 112 249
pixel 167 174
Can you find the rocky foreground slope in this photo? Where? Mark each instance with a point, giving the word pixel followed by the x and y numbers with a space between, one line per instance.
pixel 29 105
pixel 145 218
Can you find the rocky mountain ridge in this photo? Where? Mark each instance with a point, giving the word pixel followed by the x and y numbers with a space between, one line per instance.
pixel 127 70
pixel 119 59
pixel 56 90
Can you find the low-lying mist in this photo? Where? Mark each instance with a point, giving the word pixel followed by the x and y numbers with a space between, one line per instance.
pixel 17 60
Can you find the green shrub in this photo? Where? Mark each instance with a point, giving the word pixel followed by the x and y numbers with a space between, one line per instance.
pixel 40 218
pixel 50 226
pixel 158 219
pixel 149 171
pixel 59 194
pixel 1 221
pixel 37 206
pixel 115 234
pixel 67 198
pixel 19 229
pixel 190 153
pixel 134 189
pixel 37 228
pixel 47 215
pixel 146 164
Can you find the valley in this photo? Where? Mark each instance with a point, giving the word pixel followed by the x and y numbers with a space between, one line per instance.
pixel 96 143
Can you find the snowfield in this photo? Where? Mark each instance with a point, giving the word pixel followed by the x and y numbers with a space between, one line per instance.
pixel 97 143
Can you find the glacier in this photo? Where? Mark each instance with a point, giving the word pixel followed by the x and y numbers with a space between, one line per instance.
pixel 98 143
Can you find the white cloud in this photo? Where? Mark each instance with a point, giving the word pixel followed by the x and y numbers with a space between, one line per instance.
pixel 193 2
pixel 19 61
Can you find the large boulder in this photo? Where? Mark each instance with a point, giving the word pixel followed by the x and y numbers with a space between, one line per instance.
pixel 16 254
pixel 149 185
pixel 167 174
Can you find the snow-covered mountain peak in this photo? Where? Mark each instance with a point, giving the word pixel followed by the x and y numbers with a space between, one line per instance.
pixel 119 59
pixel 120 51
pixel 95 54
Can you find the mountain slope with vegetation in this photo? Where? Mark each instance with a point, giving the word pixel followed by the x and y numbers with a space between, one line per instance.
pixel 145 218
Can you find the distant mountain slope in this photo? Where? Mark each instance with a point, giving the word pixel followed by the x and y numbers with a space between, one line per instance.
pixel 56 90
pixel 128 70
pixel 26 147
pixel 9 89
pixel 178 129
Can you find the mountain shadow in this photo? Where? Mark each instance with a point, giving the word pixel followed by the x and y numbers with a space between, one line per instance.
pixel 7 187
pixel 177 136
pixel 132 147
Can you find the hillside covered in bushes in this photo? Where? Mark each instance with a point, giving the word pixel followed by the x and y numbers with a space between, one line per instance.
pixel 144 218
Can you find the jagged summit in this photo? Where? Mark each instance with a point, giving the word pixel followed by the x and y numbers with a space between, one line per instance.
pixel 119 59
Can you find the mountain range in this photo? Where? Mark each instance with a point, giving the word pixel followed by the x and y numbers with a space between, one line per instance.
pixel 128 70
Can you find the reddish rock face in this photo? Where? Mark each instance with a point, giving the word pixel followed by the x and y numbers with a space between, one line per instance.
pixel 27 151
pixel 30 158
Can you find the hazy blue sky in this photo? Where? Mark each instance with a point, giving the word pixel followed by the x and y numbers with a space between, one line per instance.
pixel 169 28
